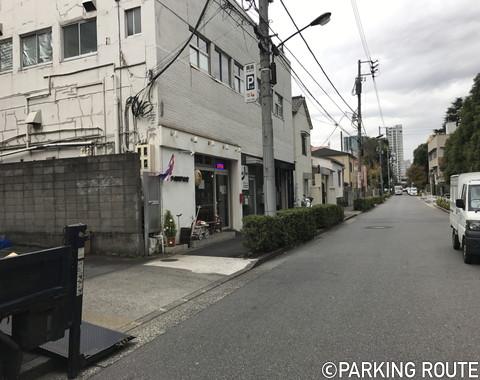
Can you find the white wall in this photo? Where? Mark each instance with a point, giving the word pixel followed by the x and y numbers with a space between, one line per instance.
pixel 303 164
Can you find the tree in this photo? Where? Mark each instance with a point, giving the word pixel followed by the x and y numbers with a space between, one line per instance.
pixel 463 146
pixel 420 157
pixel 416 175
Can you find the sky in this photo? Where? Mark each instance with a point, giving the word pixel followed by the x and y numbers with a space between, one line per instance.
pixel 428 52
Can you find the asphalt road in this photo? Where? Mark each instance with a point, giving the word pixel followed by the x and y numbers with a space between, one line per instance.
pixel 385 286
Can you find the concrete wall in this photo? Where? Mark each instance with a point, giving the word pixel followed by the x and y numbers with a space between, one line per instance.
pixel 38 199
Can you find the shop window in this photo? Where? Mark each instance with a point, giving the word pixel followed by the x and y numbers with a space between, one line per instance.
pixel 6 55
pixel 36 48
pixel 199 53
pixel 80 38
pixel 133 21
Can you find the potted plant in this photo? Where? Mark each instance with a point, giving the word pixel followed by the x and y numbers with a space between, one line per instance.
pixel 169 228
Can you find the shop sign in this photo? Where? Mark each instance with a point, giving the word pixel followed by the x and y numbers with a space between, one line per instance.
pixel 220 166
pixel 245 182
pixel 251 91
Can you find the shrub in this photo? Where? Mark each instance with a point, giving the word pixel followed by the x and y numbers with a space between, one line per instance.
pixel 443 203
pixel 169 225
pixel 327 215
pixel 289 227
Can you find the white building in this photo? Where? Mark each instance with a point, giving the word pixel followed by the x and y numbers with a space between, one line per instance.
pixel 395 141
pixel 71 71
pixel 302 125
pixel 328 175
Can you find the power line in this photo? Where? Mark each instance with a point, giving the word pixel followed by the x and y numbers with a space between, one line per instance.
pixel 366 50
pixel 314 56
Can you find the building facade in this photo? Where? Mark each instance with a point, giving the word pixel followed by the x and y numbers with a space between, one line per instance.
pixel 395 142
pixel 302 125
pixel 328 180
pixel 90 78
pixel 350 145
pixel 436 152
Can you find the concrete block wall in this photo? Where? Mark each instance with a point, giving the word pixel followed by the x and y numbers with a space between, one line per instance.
pixel 37 199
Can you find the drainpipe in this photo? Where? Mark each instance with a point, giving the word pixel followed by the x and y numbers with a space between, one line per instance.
pixel 116 115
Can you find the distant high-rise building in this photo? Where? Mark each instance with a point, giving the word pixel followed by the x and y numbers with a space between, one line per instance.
pixel 350 145
pixel 395 141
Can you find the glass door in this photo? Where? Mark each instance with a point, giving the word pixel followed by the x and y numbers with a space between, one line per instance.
pixel 222 192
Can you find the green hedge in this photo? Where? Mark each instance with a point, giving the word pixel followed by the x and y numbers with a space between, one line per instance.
pixel 365 204
pixel 289 227
pixel 443 203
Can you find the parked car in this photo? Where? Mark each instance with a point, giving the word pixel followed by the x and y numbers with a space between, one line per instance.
pixel 413 191
pixel 398 190
pixel 465 214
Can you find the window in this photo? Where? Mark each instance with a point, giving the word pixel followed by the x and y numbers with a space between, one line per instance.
pixel 278 106
pixel 199 53
pixel 133 21
pixel 80 38
pixel 221 67
pixel 339 178
pixel 36 48
pixel 5 55
pixel 304 143
pixel 238 84
pixel 474 197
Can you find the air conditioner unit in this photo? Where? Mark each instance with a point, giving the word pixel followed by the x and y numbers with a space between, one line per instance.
pixel 146 154
pixel 89 5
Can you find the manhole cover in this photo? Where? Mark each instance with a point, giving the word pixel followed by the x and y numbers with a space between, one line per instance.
pixel 168 260
pixel 378 227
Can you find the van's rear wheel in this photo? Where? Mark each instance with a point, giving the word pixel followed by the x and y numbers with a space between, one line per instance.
pixel 467 256
pixel 455 241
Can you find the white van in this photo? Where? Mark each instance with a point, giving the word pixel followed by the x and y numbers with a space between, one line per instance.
pixel 398 190
pixel 465 213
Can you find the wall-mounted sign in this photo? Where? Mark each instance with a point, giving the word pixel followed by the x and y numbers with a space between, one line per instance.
pixel 251 90
pixel 179 179
pixel 220 166
pixel 245 182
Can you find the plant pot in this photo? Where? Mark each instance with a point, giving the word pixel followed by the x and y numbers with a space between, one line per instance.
pixel 170 241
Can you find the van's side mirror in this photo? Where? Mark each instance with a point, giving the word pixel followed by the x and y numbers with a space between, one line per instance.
pixel 460 203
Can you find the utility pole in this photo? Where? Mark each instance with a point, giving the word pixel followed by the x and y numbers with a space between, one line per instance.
pixel 381 160
pixel 269 189
pixel 358 90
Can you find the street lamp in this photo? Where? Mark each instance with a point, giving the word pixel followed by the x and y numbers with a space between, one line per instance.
pixel 320 20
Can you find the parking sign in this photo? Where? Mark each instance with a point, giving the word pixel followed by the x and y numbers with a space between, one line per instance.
pixel 251 90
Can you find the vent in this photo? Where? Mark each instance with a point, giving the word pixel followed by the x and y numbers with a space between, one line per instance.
pixel 89 5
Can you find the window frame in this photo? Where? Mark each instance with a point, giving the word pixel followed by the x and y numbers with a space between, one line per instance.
pixel 304 137
pixel 80 54
pixel 132 11
pixel 195 46
pixel 35 33
pixel 219 56
pixel 278 105
pixel 238 76
pixel 6 41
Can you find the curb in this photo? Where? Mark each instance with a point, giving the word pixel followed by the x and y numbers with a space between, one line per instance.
pixel 441 208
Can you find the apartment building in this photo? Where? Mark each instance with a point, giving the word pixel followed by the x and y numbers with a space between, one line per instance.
pixel 436 152
pixel 395 141
pixel 81 77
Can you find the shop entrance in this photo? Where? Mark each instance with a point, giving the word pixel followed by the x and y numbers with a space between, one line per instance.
pixel 212 190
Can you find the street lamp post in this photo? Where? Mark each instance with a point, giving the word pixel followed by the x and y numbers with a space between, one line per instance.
pixel 266 47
